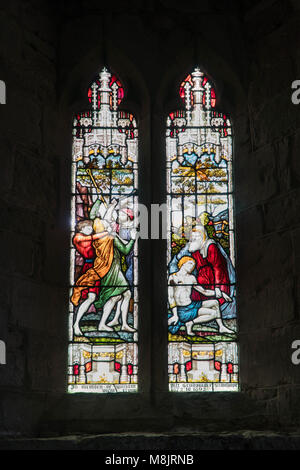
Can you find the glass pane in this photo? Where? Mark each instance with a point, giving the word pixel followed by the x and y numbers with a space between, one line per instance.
pixel 202 346
pixel 103 354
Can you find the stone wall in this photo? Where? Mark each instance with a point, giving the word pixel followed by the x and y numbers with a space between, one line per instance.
pixel 267 200
pixel 49 52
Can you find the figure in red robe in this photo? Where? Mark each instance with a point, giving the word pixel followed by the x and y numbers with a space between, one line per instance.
pixel 212 272
pixel 83 241
pixel 213 269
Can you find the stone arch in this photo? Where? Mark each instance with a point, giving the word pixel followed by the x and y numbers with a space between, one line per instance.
pixel 231 97
pixel 229 86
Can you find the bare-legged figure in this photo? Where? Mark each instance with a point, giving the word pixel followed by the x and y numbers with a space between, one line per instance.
pixel 210 311
pixel 124 312
pixel 86 293
pixel 190 312
pixel 122 309
pixel 82 310
pixel 115 320
pixel 107 309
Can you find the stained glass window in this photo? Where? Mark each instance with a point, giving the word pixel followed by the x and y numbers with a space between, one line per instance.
pixel 202 328
pixel 103 275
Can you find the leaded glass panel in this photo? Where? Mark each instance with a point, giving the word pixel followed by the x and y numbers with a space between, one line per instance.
pixel 103 354
pixel 202 326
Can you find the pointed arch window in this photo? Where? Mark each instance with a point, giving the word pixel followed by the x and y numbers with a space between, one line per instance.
pixel 103 355
pixel 202 328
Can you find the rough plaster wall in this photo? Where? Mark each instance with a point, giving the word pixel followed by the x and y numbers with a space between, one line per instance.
pixel 46 59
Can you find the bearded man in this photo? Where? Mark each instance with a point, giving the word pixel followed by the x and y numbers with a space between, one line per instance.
pixel 213 269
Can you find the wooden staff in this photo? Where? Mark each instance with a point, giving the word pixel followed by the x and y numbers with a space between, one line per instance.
pixel 89 172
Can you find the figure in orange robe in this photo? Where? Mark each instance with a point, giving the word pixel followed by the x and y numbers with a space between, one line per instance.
pixel 102 245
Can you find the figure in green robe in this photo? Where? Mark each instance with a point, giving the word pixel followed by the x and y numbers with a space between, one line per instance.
pixel 115 287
